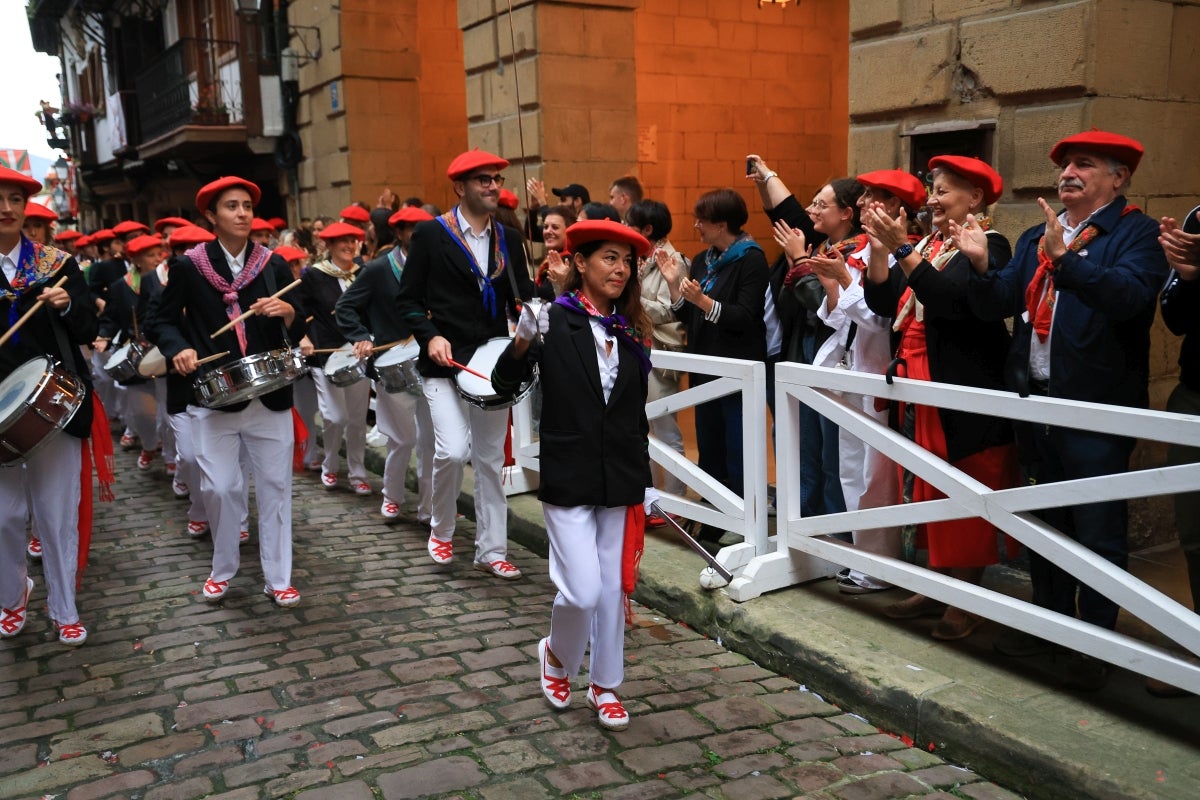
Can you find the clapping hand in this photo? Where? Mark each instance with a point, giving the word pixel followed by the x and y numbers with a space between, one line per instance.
pixel 1055 247
pixel 884 231
pixel 791 240
pixel 536 191
pixel 1182 249
pixel 971 241
pixel 557 270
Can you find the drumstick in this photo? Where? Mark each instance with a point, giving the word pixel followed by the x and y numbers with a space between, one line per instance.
pixel 249 314
pixel 390 345
pixel 32 310
pixel 213 357
pixel 469 371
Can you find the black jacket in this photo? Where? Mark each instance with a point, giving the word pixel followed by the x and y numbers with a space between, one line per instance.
pixel 40 335
pixel 318 293
pixel 440 296
pixel 123 306
pixel 101 274
pixel 192 309
pixel 1181 312
pixel 963 349
pixel 740 332
pixel 592 453
pixel 368 309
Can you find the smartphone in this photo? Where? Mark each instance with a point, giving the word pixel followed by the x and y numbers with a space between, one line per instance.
pixel 750 166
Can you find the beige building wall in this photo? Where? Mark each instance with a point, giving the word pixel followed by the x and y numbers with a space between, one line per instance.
pixel 1038 71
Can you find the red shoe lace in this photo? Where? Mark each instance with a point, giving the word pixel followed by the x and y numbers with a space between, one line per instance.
pixel 391 508
pixel 290 593
pixel 612 710
pixel 444 549
pixel 12 619
pixel 503 566
pixel 72 631
pixel 35 545
pixel 215 587
pixel 559 687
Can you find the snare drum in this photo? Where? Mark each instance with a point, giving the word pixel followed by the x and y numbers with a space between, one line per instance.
pixel 37 400
pixel 396 369
pixel 249 377
pixel 343 368
pixel 479 392
pixel 153 364
pixel 122 365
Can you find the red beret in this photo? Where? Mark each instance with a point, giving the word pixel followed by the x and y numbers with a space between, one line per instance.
pixel 103 235
pixel 336 230
pixel 289 253
pixel 468 162
pixel 260 224
pixel 508 199
pixel 1122 148
pixel 142 243
pixel 278 223
pixel 189 234
pixel 907 187
pixel 35 210
pixel 410 215
pixel 159 224
pixel 210 191
pixel 27 184
pixel 129 226
pixel 974 170
pixel 68 235
pixel 83 241
pixel 605 230
pixel 355 213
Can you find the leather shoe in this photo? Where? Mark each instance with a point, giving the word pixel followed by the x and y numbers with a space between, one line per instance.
pixel 1018 644
pixel 947 630
pixel 1085 674
pixel 914 607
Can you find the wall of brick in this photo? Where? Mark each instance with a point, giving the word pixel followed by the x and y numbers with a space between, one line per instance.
pixel 1038 70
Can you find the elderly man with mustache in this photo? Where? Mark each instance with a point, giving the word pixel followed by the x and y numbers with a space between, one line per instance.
pixel 1082 289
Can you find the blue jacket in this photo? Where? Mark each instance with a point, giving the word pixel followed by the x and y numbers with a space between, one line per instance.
pixel 1107 293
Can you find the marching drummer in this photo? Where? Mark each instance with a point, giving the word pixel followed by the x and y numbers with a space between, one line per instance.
pixel 209 287
pixel 52 473
pixel 343 408
pixel 595 466
pixel 365 313
pixel 457 291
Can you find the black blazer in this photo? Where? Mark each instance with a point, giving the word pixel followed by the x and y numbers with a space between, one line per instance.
pixel 123 305
pixel 101 274
pixel 440 296
pixel 318 294
pixel 740 332
pixel 368 308
pixel 592 453
pixel 38 336
pixel 963 349
pixel 192 309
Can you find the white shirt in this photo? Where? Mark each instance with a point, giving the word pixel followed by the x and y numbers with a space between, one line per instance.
pixel 1039 351
pixel 9 262
pixel 236 262
pixel 607 357
pixel 480 244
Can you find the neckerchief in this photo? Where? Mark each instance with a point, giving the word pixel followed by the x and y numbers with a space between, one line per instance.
pixel 937 250
pixel 133 279
pixel 36 264
pixel 1040 294
pixel 449 221
pixel 333 270
pixel 394 260
pixel 851 244
pixel 614 325
pixel 256 259
pixel 715 262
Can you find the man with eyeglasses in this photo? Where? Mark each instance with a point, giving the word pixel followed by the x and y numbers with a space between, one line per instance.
pixel 458 289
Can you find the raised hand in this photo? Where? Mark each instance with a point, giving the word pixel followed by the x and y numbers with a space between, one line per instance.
pixel 971 241
pixel 1054 244
pixel 791 240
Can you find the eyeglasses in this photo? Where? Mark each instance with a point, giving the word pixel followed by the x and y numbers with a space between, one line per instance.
pixel 819 205
pixel 485 181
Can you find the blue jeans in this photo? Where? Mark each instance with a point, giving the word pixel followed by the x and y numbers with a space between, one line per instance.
pixel 719 440
pixel 820 483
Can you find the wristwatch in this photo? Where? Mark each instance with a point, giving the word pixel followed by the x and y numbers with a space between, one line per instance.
pixel 903 251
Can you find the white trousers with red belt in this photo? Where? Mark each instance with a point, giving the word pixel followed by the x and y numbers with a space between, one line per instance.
pixel 404 419
pixel 52 477
pixel 188 473
pixel 343 412
pixel 218 438
pixel 585 565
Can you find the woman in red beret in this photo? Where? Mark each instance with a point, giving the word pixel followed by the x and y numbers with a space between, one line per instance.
pixel 939 338
pixel 594 361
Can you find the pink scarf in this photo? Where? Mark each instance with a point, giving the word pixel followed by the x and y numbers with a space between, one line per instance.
pixel 255 260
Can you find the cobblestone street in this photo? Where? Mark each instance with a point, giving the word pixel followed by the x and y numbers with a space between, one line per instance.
pixel 393 679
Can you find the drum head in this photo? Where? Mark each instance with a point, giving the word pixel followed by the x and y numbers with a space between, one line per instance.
pixel 398 354
pixel 483 362
pixel 153 364
pixel 119 355
pixel 341 358
pixel 19 386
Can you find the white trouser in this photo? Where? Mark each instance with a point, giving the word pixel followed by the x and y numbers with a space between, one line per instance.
pixel 304 397
pixel 141 413
pixel 666 427
pixel 162 423
pixel 344 411
pixel 461 432
pixel 218 438
pixel 869 480
pixel 585 565
pixel 187 473
pixel 52 475
pixel 104 385
pixel 404 419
